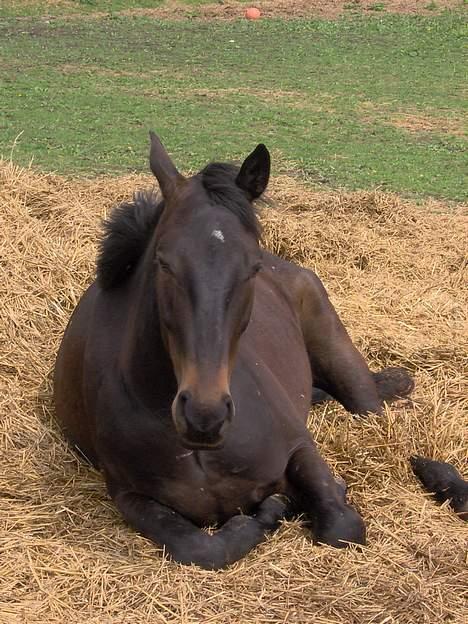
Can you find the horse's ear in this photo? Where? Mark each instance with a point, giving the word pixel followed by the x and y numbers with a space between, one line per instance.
pixel 163 168
pixel 255 172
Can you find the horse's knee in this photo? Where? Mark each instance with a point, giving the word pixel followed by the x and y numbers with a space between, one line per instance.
pixel 206 561
pixel 230 543
pixel 271 511
pixel 203 550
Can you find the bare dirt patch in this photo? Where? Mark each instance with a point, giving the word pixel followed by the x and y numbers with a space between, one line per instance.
pixel 414 121
pixel 233 9
pixel 421 123
pixel 397 274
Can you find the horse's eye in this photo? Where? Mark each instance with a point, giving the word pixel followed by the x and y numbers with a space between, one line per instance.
pixel 163 264
pixel 253 271
pixel 256 268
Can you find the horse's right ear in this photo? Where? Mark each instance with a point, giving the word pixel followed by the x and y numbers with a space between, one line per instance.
pixel 163 168
pixel 255 172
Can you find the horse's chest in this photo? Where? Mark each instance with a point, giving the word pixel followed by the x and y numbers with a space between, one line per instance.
pixel 145 456
pixel 209 488
pixel 211 498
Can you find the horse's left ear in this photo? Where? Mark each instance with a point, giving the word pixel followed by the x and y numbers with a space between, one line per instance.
pixel 255 172
pixel 163 168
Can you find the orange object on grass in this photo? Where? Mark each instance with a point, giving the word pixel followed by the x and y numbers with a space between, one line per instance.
pixel 252 13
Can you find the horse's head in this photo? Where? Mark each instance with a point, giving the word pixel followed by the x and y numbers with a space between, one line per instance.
pixel 207 256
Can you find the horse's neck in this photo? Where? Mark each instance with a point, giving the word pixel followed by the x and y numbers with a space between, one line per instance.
pixel 146 364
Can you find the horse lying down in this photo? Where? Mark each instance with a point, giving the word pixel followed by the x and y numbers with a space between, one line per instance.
pixel 187 370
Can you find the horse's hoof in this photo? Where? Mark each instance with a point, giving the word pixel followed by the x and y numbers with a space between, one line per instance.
pixel 393 383
pixel 443 481
pixel 461 509
pixel 272 510
pixel 434 475
pixel 341 528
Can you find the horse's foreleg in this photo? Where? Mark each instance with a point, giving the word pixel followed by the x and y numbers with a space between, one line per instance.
pixel 186 543
pixel 337 366
pixel 316 492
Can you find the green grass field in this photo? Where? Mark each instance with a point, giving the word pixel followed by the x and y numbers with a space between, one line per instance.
pixel 357 103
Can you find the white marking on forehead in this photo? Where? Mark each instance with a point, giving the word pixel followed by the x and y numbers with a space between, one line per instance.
pixel 218 234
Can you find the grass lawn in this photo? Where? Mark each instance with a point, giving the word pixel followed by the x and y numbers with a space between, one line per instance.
pixel 356 103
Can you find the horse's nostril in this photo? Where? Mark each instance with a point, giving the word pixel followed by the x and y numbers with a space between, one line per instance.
pixel 229 406
pixel 184 396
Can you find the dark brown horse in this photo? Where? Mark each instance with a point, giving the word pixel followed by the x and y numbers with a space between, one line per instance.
pixel 186 372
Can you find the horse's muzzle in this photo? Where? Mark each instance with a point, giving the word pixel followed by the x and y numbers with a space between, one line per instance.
pixel 202 425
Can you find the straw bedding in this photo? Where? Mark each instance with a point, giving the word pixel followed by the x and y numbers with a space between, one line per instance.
pixel 397 274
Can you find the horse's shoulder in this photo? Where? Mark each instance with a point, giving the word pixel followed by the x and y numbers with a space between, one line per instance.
pixel 295 282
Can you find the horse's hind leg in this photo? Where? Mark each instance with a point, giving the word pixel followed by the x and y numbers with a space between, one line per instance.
pixel 386 381
pixel 323 498
pixel 338 368
pixel 186 543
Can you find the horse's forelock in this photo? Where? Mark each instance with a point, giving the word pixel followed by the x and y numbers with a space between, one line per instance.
pixel 219 181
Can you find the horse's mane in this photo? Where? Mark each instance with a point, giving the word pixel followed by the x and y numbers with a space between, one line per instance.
pixel 130 226
pixel 127 233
